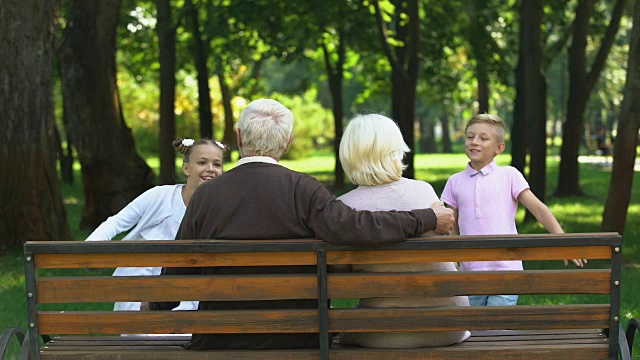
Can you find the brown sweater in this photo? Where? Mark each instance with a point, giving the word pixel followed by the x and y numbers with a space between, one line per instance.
pixel 267 201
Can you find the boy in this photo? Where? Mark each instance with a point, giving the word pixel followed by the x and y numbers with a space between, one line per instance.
pixel 485 198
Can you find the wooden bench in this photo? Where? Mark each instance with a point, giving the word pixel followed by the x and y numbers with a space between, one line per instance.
pixel 561 331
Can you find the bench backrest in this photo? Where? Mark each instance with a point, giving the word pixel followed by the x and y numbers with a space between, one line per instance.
pixel 44 287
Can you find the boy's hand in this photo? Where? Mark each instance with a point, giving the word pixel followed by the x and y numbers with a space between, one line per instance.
pixel 445 218
pixel 578 262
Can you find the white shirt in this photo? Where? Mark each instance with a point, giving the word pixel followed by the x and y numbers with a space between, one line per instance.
pixel 154 215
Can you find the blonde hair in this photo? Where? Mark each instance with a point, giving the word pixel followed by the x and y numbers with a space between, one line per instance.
pixel 372 149
pixel 266 126
pixel 491 119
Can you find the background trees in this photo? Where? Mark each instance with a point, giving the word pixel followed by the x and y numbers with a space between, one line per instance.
pixel 30 191
pixel 184 68
pixel 113 173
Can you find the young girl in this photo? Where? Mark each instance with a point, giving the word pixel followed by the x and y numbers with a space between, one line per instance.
pixel 157 213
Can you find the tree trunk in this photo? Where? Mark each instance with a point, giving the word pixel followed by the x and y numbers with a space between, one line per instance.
pixel 519 127
pixel 65 159
pixel 580 85
pixel 201 54
pixel 167 44
pixel 113 173
pixel 624 149
pixel 446 135
pixel 533 109
pixel 30 190
pixel 229 137
pixel 403 80
pixel 479 47
pixel 427 134
pixel 403 105
pixel 335 75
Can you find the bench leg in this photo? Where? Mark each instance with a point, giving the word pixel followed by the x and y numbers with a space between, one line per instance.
pixel 7 335
pixel 632 327
pixel 26 353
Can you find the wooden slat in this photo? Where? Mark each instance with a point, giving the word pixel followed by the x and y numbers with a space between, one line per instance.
pixel 405 256
pixel 482 333
pixel 443 284
pixel 176 288
pixel 340 320
pixel 74 261
pixel 309 258
pixel 180 322
pixel 530 352
pixel 304 286
pixel 469 318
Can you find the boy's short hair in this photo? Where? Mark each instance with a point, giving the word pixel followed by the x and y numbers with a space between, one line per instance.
pixel 372 149
pixel 491 119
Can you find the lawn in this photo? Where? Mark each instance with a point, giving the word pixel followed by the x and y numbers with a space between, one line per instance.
pixel 575 214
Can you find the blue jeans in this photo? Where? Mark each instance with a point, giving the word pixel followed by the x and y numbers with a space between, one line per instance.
pixel 493 300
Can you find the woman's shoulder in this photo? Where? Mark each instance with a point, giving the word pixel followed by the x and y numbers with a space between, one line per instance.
pixel 416 184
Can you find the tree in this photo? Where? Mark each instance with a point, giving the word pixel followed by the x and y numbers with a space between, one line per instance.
pixel 405 64
pixel 544 52
pixel 30 190
pixel 530 108
pixel 113 173
pixel 581 83
pixel 624 150
pixel 167 43
pixel 201 56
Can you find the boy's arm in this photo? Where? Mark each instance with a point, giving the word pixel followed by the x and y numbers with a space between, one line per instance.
pixel 540 211
pixel 544 216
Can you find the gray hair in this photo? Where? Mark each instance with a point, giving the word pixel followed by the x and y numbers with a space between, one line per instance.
pixel 266 126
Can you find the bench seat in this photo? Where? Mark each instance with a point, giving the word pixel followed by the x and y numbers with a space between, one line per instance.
pixel 517 344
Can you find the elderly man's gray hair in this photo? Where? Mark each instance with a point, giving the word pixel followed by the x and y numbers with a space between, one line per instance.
pixel 265 126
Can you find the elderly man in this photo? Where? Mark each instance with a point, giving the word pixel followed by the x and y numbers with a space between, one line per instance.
pixel 260 199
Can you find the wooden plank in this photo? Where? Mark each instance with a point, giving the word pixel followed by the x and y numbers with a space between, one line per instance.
pixel 75 261
pixel 304 286
pixel 481 333
pixel 181 354
pixel 176 288
pixel 340 320
pixel 180 322
pixel 412 256
pixel 538 337
pixel 444 284
pixel 309 258
pixel 550 352
pixel 469 318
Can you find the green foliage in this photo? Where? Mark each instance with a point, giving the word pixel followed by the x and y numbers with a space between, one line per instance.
pixel 313 125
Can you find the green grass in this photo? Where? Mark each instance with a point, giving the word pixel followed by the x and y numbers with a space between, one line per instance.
pixel 580 214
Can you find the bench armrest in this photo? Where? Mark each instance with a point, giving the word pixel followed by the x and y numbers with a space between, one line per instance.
pixel 632 327
pixel 6 337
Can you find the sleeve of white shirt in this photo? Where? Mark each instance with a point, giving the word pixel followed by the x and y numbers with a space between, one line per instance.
pixel 187 305
pixel 126 219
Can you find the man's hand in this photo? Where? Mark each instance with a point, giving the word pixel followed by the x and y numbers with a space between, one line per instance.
pixel 445 218
pixel 578 262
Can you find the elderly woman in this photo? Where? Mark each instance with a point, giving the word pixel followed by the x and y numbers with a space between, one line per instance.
pixel 371 152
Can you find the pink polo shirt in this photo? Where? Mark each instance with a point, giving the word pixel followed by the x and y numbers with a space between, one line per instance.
pixel 487 201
